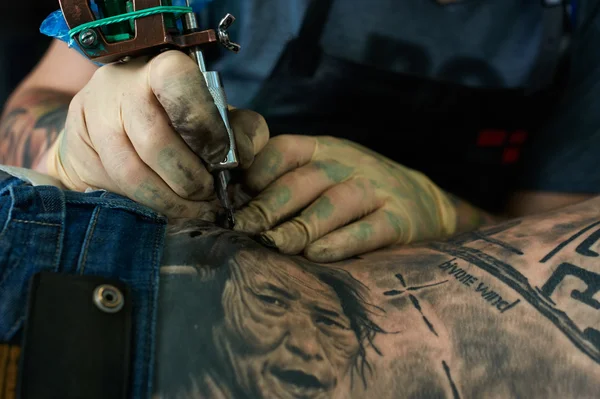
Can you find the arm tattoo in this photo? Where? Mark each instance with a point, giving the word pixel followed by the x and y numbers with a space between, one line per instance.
pixel 511 310
pixel 28 129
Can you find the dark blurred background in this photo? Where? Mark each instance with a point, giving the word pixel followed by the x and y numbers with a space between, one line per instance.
pixel 21 43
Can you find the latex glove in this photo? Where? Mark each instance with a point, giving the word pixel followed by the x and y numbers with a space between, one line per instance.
pixel 344 199
pixel 143 130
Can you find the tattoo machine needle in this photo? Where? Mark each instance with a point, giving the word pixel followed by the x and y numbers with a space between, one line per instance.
pixel 216 89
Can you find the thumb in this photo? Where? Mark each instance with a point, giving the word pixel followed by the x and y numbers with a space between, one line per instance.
pixel 251 134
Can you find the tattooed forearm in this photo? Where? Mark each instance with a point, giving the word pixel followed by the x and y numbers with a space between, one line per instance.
pixel 30 125
pixel 511 310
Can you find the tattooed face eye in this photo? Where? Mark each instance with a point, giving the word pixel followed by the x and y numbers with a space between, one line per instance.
pixel 329 322
pixel 271 300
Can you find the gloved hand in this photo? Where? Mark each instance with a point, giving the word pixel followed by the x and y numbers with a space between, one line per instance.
pixel 143 129
pixel 344 199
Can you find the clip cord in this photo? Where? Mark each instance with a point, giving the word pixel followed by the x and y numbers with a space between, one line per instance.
pixel 130 16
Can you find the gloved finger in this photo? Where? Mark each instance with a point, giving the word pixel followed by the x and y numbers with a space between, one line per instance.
pixel 72 157
pixel 251 134
pixel 163 150
pixel 83 172
pixel 181 89
pixel 338 206
pixel 286 197
pixel 281 155
pixel 137 181
pixel 377 230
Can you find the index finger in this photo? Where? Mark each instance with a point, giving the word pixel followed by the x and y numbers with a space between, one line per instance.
pixel 281 155
pixel 136 180
pixel 179 86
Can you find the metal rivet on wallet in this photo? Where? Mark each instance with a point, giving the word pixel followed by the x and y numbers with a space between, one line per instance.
pixel 108 298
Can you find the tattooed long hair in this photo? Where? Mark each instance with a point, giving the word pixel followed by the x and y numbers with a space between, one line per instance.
pixel 189 330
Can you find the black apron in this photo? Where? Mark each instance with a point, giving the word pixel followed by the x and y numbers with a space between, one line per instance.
pixel 467 140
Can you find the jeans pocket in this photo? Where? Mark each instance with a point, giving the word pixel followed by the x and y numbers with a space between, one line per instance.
pixel 26 247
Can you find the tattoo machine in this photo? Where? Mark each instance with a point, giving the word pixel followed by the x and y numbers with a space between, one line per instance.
pixel 116 30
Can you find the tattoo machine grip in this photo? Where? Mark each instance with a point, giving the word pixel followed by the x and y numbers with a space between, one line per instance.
pixel 216 89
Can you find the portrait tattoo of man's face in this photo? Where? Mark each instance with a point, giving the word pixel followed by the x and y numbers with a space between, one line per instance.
pixel 285 328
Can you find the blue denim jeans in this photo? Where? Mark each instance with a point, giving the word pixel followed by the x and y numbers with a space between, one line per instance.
pixel 43 228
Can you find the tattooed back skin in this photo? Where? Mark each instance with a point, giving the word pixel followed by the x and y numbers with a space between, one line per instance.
pixel 509 311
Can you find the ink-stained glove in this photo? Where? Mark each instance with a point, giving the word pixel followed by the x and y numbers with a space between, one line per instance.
pixel 145 130
pixel 343 200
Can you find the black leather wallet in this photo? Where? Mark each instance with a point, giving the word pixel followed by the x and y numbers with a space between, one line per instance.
pixel 76 338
